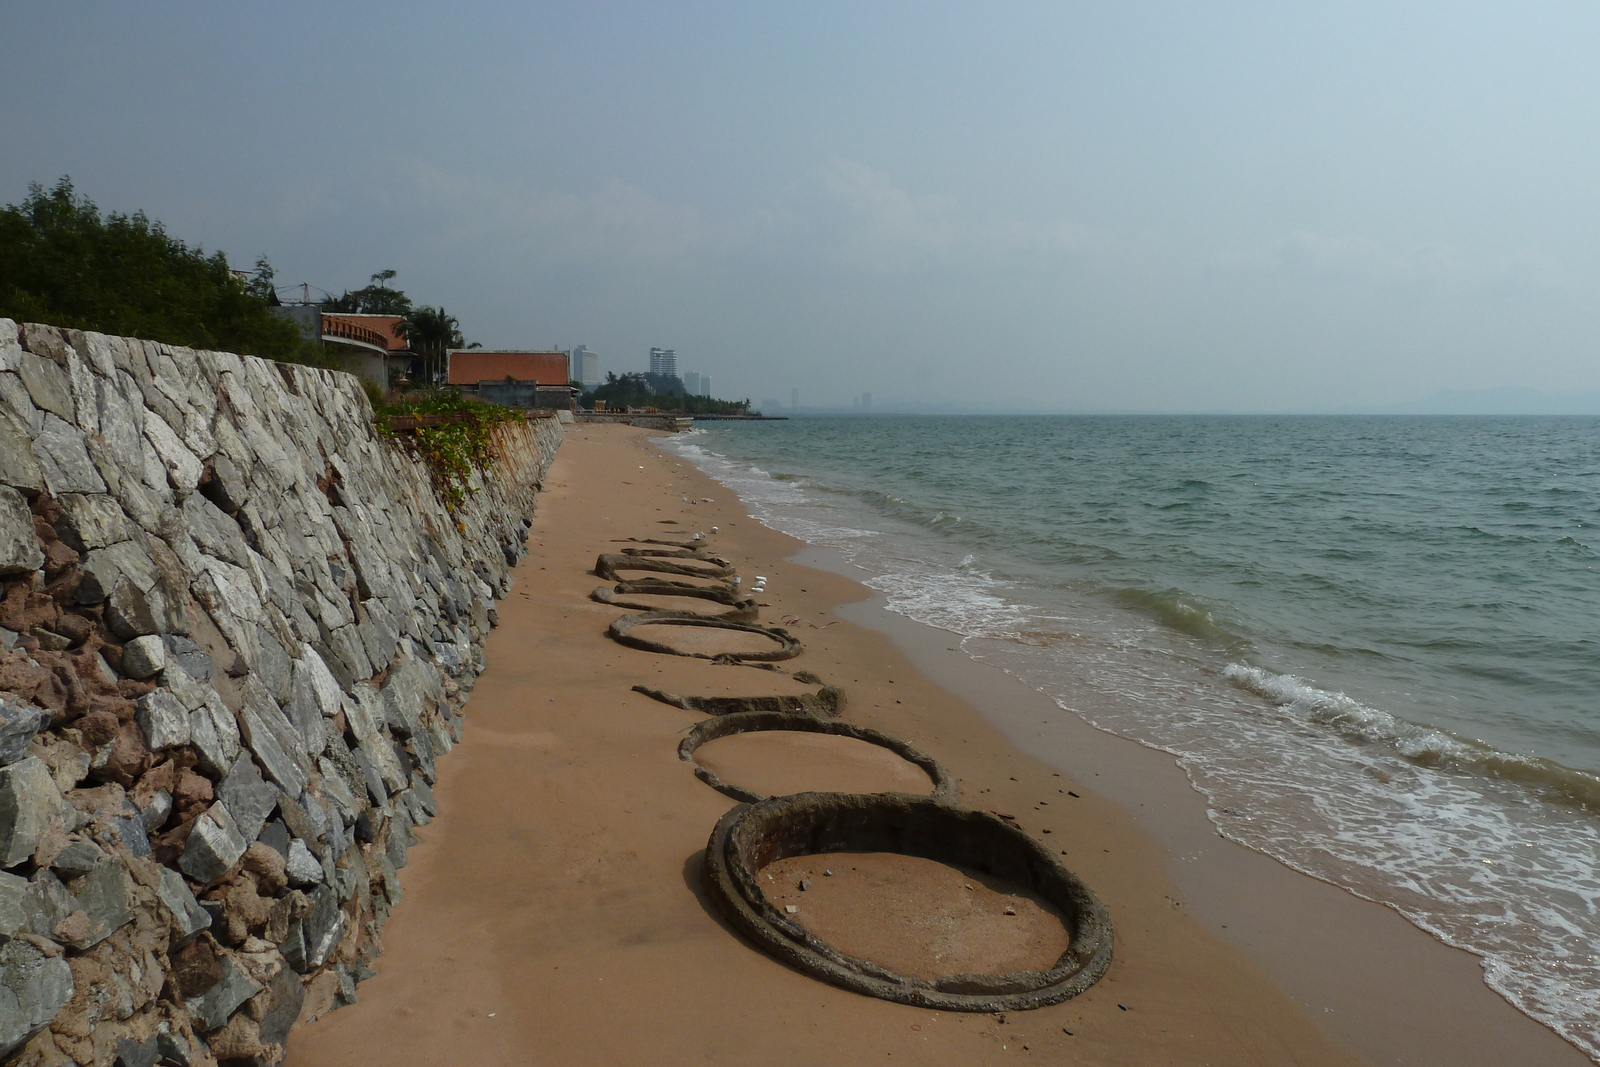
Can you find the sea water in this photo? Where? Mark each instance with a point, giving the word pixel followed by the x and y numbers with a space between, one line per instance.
pixel 1373 644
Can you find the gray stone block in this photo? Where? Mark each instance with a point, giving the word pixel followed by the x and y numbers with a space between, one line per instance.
pixel 304 868
pixel 19 545
pixel 18 468
pixel 323 928
pixel 347 646
pixel 272 665
pixel 132 1053
pixel 19 723
pixel 275 834
pixel 155 813
pixel 33 987
pixel 47 384
pixel 46 903
pixel 211 1009
pixel 379 634
pixel 248 799
pixel 64 459
pixel 131 833
pixel 13 906
pixel 369 775
pixel 102 895
pixel 182 466
pixel 276 744
pixel 214 532
pixel 162 716
pixel 286 996
pixel 144 657
pixel 213 847
pixel 188 655
pixel 89 522
pixel 28 799
pixel 175 1049
pixel 78 858
pixel 189 919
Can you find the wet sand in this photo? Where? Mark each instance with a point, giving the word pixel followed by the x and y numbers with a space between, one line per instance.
pixel 779 762
pixel 553 913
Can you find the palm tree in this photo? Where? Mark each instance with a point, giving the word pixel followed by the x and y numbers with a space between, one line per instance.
pixel 431 332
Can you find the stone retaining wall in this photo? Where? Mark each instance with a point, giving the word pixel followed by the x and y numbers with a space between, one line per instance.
pixel 237 631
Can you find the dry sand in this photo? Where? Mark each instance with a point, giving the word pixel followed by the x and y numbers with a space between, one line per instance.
pixel 553 913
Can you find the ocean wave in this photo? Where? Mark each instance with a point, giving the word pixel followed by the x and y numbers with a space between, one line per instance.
pixel 1184 612
pixel 1424 745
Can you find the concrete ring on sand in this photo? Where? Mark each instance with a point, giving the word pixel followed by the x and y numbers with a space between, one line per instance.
pixel 944 784
pixel 752 836
pixel 677 553
pixel 621 631
pixel 744 610
pixel 609 563
pixel 825 703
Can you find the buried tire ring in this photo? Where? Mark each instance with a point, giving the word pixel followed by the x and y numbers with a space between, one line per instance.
pixel 752 836
pixel 744 610
pixel 620 630
pixel 944 783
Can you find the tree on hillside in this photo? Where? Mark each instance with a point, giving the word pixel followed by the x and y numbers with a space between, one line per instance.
pixel 635 390
pixel 63 263
pixel 630 390
pixel 374 299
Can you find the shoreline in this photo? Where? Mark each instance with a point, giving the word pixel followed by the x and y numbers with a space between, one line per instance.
pixel 1387 988
pixel 555 912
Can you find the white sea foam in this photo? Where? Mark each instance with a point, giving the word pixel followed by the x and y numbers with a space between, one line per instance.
pixel 1451 833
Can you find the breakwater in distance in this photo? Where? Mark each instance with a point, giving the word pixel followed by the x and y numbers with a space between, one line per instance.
pixel 1370 642
pixel 237 631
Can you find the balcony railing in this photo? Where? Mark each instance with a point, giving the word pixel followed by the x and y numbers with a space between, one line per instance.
pixel 346 330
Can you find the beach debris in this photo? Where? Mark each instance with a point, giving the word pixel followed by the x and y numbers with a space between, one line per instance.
pixel 713 529
pixel 1010 910
pixel 621 631
pixel 744 608
pixel 753 836
pixel 792 909
pixel 826 703
pixel 805 883
pixel 944 784
pixel 609 563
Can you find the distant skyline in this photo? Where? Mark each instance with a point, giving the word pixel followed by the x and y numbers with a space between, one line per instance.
pixel 1090 206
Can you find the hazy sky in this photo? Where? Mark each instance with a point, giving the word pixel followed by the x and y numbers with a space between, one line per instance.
pixel 1219 206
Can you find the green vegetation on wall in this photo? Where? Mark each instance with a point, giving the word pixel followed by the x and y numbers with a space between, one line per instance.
pixel 453 448
pixel 63 263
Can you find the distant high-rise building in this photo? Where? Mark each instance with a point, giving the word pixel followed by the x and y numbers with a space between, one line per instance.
pixel 866 401
pixel 705 385
pixel 691 383
pixel 664 361
pixel 794 399
pixel 587 366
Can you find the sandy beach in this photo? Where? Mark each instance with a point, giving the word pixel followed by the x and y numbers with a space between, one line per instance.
pixel 553 913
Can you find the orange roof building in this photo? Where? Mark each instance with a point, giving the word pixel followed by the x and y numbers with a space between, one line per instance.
pixel 386 326
pixel 468 367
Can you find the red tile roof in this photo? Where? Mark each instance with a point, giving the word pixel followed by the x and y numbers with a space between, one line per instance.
pixel 481 365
